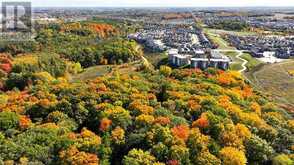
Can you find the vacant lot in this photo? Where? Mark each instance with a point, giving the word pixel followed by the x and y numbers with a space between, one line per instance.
pixel 275 80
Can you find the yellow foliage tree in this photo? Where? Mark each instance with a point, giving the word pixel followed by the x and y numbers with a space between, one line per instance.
pixel 232 156
pixel 118 135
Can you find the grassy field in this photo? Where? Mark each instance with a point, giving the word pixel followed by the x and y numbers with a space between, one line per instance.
pixel 252 62
pixel 217 39
pixel 239 33
pixel 236 62
pixel 275 80
pixel 93 72
pixel 101 70
pixel 156 59
pixel 235 66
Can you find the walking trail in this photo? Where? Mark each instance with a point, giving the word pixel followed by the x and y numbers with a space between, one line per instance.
pixel 244 68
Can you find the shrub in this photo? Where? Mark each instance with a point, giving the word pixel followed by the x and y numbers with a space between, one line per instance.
pixel 138 157
pixel 282 160
pixel 18 80
pixel 165 70
pixel 8 120
pixel 74 156
pixel 258 150
pixel 206 158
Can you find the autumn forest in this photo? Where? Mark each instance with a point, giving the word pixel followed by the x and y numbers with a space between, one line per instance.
pixel 144 116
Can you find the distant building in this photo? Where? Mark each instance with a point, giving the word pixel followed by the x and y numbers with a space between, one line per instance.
pixel 201 63
pixel 181 60
pixel 155 45
pixel 187 46
pixel 171 54
pixel 217 61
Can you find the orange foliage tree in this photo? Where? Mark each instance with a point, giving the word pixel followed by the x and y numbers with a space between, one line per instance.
pixel 75 157
pixel 105 124
pixel 102 29
pixel 5 63
pixel 24 122
pixel 162 120
pixel 181 132
pixel 202 122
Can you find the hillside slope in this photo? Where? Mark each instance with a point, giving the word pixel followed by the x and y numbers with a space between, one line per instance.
pixel 164 117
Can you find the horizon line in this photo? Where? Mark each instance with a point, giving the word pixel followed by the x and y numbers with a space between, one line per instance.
pixel 167 6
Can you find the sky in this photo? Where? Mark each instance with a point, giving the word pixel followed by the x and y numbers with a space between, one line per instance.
pixel 160 3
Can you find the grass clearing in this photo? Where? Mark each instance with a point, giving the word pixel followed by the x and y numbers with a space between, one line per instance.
pixel 232 55
pixel 156 58
pixel 217 39
pixel 238 33
pixel 236 64
pixel 92 72
pixel 275 80
pixel 102 70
